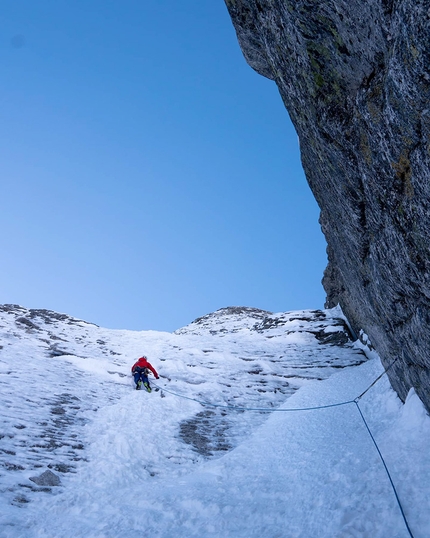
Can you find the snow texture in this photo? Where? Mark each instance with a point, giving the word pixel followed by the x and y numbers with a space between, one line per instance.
pixel 83 454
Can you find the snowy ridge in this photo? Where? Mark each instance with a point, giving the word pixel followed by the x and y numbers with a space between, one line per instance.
pixel 191 470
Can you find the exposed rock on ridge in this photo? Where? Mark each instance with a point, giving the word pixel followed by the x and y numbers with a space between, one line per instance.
pixel 355 78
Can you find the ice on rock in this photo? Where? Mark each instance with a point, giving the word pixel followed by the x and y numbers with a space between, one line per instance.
pixel 130 462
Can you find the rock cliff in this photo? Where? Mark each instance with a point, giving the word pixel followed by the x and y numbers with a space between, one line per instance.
pixel 355 78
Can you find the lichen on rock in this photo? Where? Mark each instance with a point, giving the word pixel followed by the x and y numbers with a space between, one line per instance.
pixel 355 78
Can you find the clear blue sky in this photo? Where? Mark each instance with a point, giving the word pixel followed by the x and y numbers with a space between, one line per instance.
pixel 148 175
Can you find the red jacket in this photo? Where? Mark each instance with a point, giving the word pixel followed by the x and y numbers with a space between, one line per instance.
pixel 143 363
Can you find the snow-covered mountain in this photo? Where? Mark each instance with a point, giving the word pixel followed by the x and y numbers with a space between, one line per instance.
pixel 213 450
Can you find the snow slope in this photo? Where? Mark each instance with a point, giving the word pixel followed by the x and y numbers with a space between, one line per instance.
pixel 162 464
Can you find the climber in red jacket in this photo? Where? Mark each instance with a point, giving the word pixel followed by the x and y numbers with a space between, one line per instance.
pixel 140 371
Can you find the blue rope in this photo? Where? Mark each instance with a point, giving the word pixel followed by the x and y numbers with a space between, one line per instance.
pixel 271 410
pixel 386 469
pixel 377 379
pixel 267 410
pixel 263 409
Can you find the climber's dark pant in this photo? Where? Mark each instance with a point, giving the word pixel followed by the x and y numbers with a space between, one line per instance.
pixel 140 374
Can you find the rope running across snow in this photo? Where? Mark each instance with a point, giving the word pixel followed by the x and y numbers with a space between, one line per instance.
pixel 237 408
pixel 355 402
pixel 386 470
pixel 276 409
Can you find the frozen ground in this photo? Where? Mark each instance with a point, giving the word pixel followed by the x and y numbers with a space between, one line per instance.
pixel 161 464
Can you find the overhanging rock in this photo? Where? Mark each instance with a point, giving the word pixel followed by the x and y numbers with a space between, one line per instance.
pixel 355 78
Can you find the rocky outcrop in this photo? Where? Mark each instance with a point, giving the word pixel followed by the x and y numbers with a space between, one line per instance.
pixel 355 78
pixel 48 478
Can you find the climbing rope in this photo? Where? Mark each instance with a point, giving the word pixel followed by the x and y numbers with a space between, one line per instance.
pixel 386 470
pixel 276 409
pixel 260 409
pixel 313 408
pixel 378 378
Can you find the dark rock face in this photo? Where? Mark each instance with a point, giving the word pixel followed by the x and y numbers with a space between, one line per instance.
pixel 355 78
pixel 48 478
